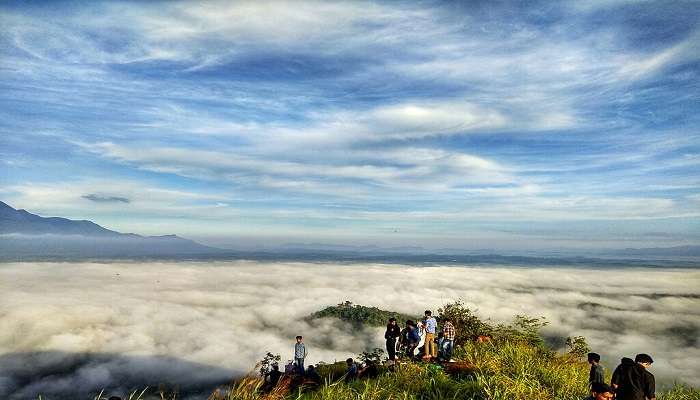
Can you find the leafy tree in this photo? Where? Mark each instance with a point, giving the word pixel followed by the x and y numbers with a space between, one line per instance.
pixel 374 356
pixel 467 325
pixel 267 362
pixel 577 346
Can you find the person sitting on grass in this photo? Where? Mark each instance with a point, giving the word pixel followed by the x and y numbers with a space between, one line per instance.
pixel 597 373
pixel 601 391
pixel 370 370
pixel 352 371
pixel 273 376
pixel 312 375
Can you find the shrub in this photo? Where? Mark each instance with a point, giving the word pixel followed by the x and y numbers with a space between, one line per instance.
pixel 577 346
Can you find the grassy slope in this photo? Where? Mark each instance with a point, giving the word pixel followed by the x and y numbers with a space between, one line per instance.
pixel 501 371
pixel 514 365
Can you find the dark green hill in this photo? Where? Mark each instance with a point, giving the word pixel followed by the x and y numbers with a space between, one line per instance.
pixel 359 315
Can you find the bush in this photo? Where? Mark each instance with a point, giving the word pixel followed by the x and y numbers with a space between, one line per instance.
pixel 467 325
pixel 577 346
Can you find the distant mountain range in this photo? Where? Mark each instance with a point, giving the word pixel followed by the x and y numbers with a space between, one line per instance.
pixel 676 251
pixel 25 234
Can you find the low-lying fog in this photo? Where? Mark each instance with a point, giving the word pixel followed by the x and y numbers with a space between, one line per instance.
pixel 198 323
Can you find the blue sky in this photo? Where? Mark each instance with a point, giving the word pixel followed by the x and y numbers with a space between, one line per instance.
pixel 439 124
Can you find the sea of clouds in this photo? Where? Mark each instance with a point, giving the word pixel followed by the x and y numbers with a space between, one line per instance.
pixel 71 329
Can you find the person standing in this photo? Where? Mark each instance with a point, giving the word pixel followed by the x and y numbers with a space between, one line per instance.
pixel 634 382
pixel 299 355
pixel 392 333
pixel 448 339
pixel 430 349
pixel 597 373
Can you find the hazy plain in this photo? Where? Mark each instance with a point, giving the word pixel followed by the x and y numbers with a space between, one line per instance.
pixel 201 322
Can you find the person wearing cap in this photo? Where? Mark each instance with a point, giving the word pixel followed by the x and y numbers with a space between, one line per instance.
pixel 635 382
pixel 601 391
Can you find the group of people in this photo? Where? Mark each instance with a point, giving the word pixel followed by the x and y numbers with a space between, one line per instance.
pixel 631 380
pixel 405 342
pixel 416 338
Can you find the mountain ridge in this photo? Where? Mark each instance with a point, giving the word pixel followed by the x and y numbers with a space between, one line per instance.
pixel 25 235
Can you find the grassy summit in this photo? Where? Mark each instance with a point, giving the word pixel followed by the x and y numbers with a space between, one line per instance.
pixel 515 364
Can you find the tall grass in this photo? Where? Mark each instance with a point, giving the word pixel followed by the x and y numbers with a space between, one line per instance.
pixel 496 371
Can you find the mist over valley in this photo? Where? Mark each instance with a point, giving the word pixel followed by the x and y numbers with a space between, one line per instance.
pixel 75 328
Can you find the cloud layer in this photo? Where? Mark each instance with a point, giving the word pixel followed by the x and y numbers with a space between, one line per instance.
pixel 222 317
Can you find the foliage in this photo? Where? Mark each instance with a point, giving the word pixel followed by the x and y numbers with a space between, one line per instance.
pixel 523 330
pixel 577 346
pixel 515 365
pixel 358 315
pixel 267 362
pixel 467 325
pixel 374 356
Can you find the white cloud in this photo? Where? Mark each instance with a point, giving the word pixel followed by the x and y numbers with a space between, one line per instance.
pixel 199 313
pixel 641 66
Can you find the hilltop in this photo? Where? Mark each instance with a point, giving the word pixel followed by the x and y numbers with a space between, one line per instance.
pixel 514 364
pixel 358 315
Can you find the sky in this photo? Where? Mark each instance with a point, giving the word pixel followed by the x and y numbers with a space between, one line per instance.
pixel 508 125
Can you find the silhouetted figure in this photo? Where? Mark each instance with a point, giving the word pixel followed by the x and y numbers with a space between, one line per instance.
pixel 597 373
pixel 369 371
pixel 632 381
pixel 312 375
pixel 392 333
pixel 289 367
pixel 601 391
pixel 274 376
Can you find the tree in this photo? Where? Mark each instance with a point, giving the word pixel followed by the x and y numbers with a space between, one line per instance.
pixel 578 347
pixel 267 363
pixel 467 325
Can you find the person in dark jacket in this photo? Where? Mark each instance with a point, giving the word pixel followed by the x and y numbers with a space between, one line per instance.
pixel 597 373
pixel 632 381
pixel 408 342
pixel 392 333
pixel 625 364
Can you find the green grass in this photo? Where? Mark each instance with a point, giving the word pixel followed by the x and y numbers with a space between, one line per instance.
pixel 514 365
pixel 500 370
